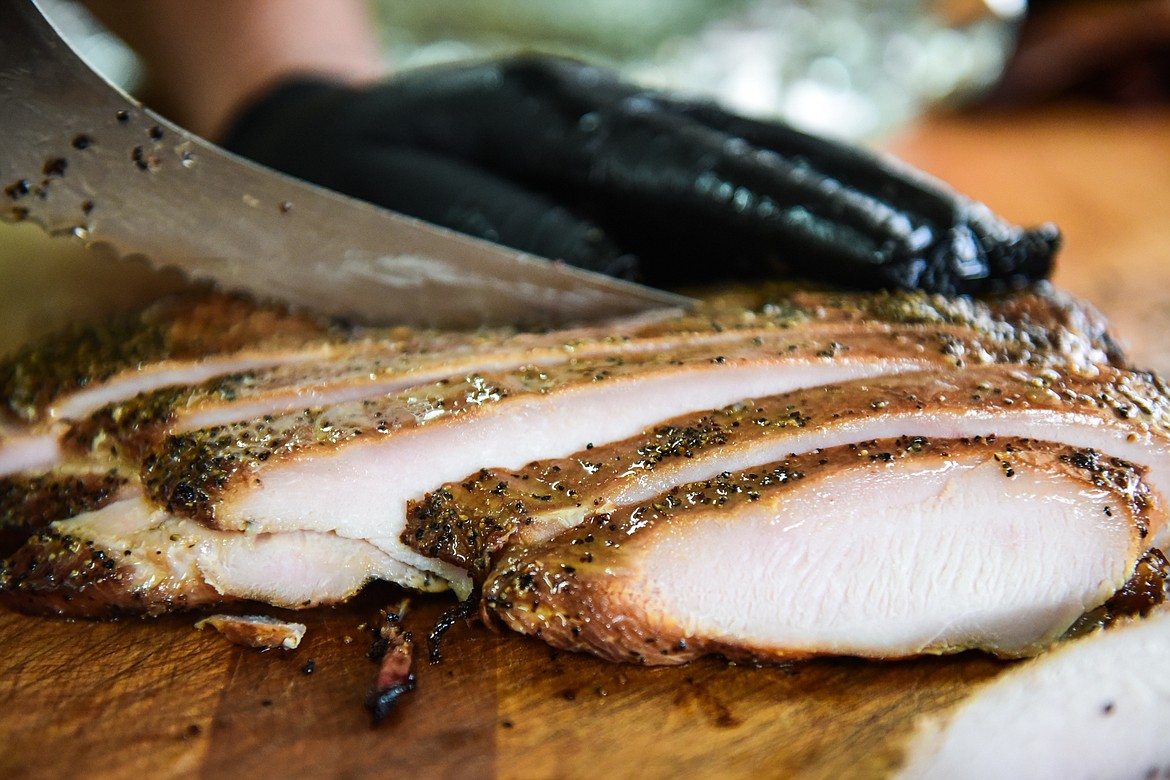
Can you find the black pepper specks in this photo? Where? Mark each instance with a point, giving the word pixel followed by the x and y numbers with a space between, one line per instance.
pixel 56 166
pixel 18 189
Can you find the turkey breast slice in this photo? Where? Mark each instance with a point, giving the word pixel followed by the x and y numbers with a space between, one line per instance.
pixel 266 474
pixel 134 436
pixel 134 424
pixel 887 550
pixel 247 353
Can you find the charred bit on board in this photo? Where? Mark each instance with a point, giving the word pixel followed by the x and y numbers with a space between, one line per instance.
pixel 465 609
pixel 393 648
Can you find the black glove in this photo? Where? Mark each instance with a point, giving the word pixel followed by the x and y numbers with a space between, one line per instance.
pixel 564 160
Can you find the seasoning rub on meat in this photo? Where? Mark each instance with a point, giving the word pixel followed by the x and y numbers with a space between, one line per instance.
pixel 599 487
pixel 263 476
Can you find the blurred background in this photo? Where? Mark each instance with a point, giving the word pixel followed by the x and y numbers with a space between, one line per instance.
pixel 848 68
pixel 856 69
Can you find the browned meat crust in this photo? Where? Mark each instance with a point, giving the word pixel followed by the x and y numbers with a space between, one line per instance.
pixel 32 501
pixel 208 324
pixel 54 573
pixel 1041 327
pixel 1051 320
pixel 179 328
pixel 128 429
pixel 190 473
pixel 1146 589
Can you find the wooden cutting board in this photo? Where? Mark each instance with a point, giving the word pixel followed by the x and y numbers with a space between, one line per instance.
pixel 158 699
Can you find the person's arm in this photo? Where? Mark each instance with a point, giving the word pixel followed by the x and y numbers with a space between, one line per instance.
pixel 207 59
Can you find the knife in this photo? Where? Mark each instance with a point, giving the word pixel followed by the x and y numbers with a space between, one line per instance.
pixel 82 158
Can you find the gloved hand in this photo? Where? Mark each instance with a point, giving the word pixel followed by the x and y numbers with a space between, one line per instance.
pixel 566 161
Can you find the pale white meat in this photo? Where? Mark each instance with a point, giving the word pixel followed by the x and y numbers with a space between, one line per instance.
pixel 27 451
pixel 315 385
pixel 143 379
pixel 276 364
pixel 378 474
pixel 894 562
pixel 362 370
pixel 1095 709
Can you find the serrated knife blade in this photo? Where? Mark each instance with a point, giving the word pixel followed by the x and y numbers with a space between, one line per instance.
pixel 80 157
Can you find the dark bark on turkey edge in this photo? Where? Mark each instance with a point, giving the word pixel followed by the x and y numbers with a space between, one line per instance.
pixel 33 501
pixel 188 327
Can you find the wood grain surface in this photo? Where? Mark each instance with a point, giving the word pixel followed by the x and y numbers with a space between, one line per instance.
pixel 156 698
pixel 159 699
